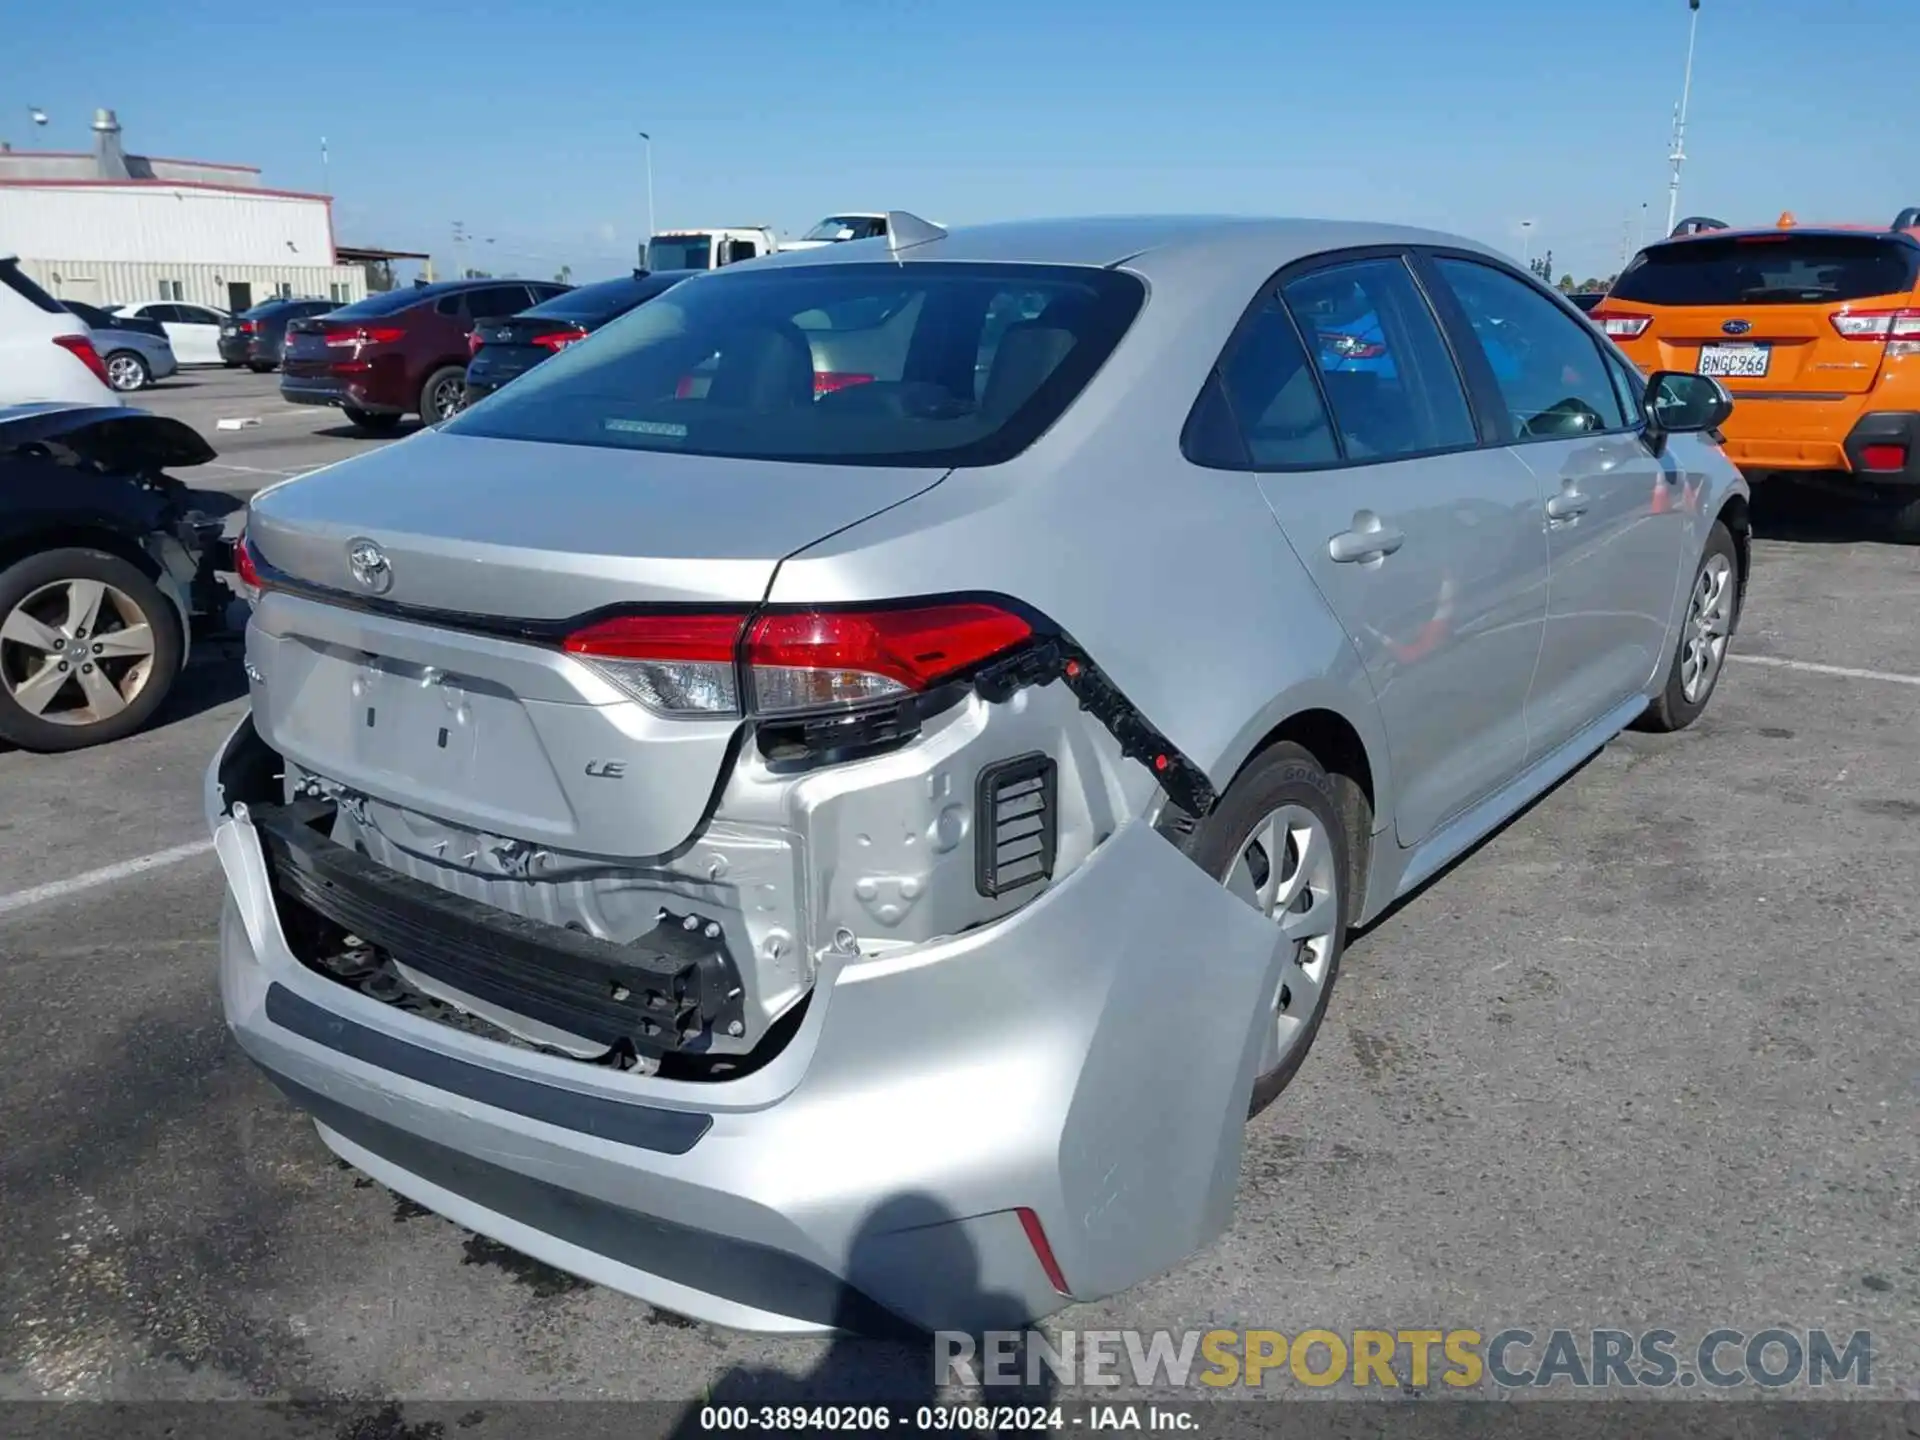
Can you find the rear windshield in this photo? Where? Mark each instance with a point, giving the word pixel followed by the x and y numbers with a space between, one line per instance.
pixel 603 301
pixel 929 364
pixel 388 302
pixel 1769 270
pixel 679 252
pixel 18 281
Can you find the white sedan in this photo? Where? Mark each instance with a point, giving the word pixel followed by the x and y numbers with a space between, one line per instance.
pixel 193 330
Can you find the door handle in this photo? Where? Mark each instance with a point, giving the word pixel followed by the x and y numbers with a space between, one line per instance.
pixel 1567 505
pixel 1369 540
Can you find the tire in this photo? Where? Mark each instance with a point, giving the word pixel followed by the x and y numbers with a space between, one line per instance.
pixel 1682 698
pixel 127 371
pixel 1285 780
pixel 141 680
pixel 374 422
pixel 448 379
pixel 261 367
pixel 1898 514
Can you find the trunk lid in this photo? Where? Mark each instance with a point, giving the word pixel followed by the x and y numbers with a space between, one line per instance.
pixel 1773 349
pixel 454 700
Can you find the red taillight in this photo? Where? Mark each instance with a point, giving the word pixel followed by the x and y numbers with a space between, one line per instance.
pixel 1618 325
pixel 337 336
pixel 806 660
pixel 1042 1251
pixel 817 659
pixel 244 566
pixel 1877 324
pixel 676 663
pixel 249 327
pixel 1351 347
pixel 825 382
pixel 474 342
pixel 1883 457
pixel 82 348
pixel 558 340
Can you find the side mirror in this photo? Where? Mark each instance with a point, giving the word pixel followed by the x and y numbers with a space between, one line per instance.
pixel 1681 403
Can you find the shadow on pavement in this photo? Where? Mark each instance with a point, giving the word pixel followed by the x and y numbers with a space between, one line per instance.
pixel 1804 514
pixel 878 1357
pixel 354 432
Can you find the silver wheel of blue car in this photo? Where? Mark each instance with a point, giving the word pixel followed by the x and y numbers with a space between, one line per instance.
pixel 1287 869
pixel 126 371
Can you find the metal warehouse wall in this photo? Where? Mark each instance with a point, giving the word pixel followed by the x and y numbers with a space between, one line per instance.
pixel 160 222
pixel 107 282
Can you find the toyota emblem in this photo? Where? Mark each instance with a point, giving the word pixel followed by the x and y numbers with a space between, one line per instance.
pixel 370 565
pixel 1737 327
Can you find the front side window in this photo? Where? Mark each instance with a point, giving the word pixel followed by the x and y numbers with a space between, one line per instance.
pixel 1263 409
pixel 833 364
pixel 1382 360
pixel 1547 365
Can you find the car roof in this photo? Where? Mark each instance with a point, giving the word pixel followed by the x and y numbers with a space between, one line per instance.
pixel 1749 232
pixel 1236 243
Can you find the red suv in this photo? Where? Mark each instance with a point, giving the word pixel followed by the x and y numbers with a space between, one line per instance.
pixel 400 353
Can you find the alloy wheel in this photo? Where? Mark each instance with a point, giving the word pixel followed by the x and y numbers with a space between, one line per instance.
pixel 1709 625
pixel 75 652
pixel 1286 870
pixel 446 398
pixel 125 373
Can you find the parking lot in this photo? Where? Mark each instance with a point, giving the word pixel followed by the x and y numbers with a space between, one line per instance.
pixel 1645 1059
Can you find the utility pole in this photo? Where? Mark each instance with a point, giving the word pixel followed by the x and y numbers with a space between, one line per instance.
pixel 459 250
pixel 1679 155
pixel 646 259
pixel 326 170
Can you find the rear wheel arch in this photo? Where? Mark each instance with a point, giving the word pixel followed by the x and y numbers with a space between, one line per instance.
pixel 1337 745
pixel 1736 516
pixel 1333 741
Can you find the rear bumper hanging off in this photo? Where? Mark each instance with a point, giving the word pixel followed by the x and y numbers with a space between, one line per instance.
pixel 1084 1062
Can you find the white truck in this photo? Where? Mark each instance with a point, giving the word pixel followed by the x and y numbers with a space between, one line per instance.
pixel 707 249
pixel 710 249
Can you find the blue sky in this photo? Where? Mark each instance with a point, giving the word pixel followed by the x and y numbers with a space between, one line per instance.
pixel 519 118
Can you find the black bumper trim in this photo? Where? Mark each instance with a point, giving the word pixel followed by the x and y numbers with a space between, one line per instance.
pixel 672 989
pixel 736 1270
pixel 669 1132
pixel 1885 427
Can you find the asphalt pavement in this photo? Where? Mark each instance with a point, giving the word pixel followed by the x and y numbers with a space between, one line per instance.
pixel 1646 1058
pixel 261 438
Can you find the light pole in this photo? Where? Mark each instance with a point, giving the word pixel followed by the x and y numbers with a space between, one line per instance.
pixel 646 245
pixel 1679 155
pixel 326 170
pixel 1526 241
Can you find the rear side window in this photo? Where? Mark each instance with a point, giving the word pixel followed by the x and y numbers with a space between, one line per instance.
pixel 1766 269
pixel 18 281
pixel 1384 366
pixel 1546 364
pixel 1262 408
pixel 833 364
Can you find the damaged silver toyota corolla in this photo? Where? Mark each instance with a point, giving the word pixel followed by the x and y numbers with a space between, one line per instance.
pixel 828 802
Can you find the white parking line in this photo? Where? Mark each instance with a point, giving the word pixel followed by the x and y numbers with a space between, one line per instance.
pixel 259 470
pixel 1846 672
pixel 105 875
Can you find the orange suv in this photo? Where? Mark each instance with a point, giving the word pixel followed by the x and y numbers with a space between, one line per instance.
pixel 1815 331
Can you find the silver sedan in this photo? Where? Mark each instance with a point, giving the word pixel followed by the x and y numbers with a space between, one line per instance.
pixel 832 798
